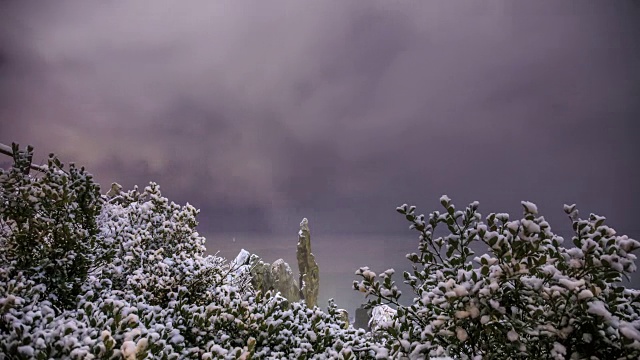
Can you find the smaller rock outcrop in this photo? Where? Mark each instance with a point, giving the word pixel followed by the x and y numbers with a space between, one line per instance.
pixel 362 319
pixel 264 276
pixel 282 280
pixel 344 316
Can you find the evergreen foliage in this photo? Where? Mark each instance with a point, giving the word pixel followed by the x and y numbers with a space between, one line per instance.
pixel 49 228
pixel 85 276
pixel 527 297
pixel 126 276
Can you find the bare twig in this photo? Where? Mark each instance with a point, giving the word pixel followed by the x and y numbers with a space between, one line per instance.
pixel 4 149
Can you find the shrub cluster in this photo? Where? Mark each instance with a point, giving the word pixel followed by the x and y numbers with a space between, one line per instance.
pixel 86 276
pixel 526 297
pixel 126 276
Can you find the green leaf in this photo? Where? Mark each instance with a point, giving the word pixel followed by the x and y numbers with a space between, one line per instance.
pixel 484 270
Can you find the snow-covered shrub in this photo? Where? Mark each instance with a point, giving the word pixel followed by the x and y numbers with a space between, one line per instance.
pixel 84 276
pixel 155 250
pixel 381 316
pixel 48 226
pixel 528 297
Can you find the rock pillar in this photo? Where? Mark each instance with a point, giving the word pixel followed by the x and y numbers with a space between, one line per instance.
pixel 309 272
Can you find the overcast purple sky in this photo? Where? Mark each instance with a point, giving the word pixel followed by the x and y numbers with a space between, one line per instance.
pixel 261 113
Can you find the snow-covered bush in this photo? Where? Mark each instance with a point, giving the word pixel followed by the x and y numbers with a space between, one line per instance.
pixel 155 251
pixel 381 315
pixel 85 276
pixel 528 297
pixel 48 226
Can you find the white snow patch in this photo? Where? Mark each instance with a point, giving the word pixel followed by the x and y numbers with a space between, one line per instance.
pixel 530 207
pixel 461 334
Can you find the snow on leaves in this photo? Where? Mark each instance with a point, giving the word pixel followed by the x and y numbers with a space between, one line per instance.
pixel 147 289
pixel 125 275
pixel 527 297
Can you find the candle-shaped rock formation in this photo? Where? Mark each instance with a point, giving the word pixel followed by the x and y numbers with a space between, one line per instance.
pixel 309 271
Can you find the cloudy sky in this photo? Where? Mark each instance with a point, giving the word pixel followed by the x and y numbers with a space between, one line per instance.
pixel 261 113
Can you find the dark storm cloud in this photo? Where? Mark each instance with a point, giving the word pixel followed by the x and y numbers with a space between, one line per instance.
pixel 339 111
